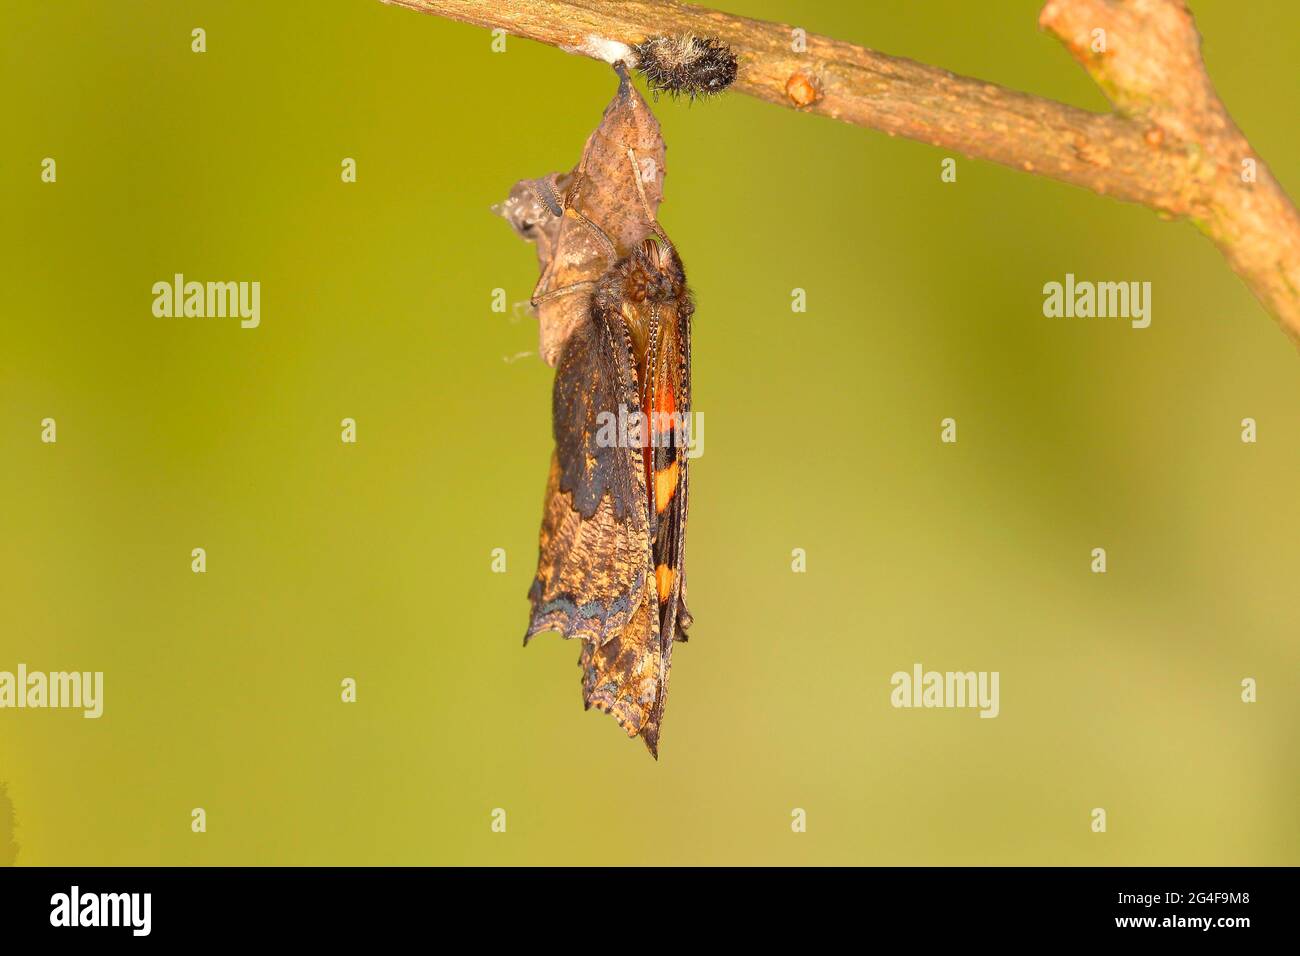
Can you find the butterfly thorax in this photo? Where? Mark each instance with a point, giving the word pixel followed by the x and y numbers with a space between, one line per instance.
pixel 645 288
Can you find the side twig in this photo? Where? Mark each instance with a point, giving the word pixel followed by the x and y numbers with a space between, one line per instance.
pixel 1169 144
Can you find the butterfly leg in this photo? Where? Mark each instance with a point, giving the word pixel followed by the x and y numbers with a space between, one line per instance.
pixel 571 197
pixel 567 290
pixel 544 190
pixel 645 203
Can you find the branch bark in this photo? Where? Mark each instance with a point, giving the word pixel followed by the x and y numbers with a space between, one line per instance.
pixel 1169 143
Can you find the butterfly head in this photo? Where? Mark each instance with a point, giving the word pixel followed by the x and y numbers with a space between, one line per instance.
pixel 659 276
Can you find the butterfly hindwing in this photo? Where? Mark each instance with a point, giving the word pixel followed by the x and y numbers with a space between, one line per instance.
pixel 624 676
pixel 671 404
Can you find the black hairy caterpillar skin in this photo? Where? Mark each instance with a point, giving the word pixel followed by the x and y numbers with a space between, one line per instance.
pixel 686 65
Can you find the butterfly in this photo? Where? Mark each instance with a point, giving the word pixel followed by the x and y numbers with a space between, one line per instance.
pixel 610 568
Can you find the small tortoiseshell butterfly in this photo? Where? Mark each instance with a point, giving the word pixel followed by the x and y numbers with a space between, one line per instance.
pixel 610 563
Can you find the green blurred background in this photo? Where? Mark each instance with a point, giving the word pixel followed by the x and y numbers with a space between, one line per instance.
pixel 373 560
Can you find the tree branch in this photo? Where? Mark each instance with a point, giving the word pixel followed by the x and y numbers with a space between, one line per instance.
pixel 1169 144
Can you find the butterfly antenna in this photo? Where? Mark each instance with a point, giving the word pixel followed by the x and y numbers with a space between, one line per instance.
pixel 544 192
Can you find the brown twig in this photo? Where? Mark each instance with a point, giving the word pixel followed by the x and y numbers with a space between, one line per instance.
pixel 1169 144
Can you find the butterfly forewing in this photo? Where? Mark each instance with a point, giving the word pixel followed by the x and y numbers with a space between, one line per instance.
pixel 592 564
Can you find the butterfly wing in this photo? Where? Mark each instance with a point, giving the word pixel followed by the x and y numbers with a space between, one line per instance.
pixel 592 565
pixel 667 399
pixel 624 676
pixel 671 401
